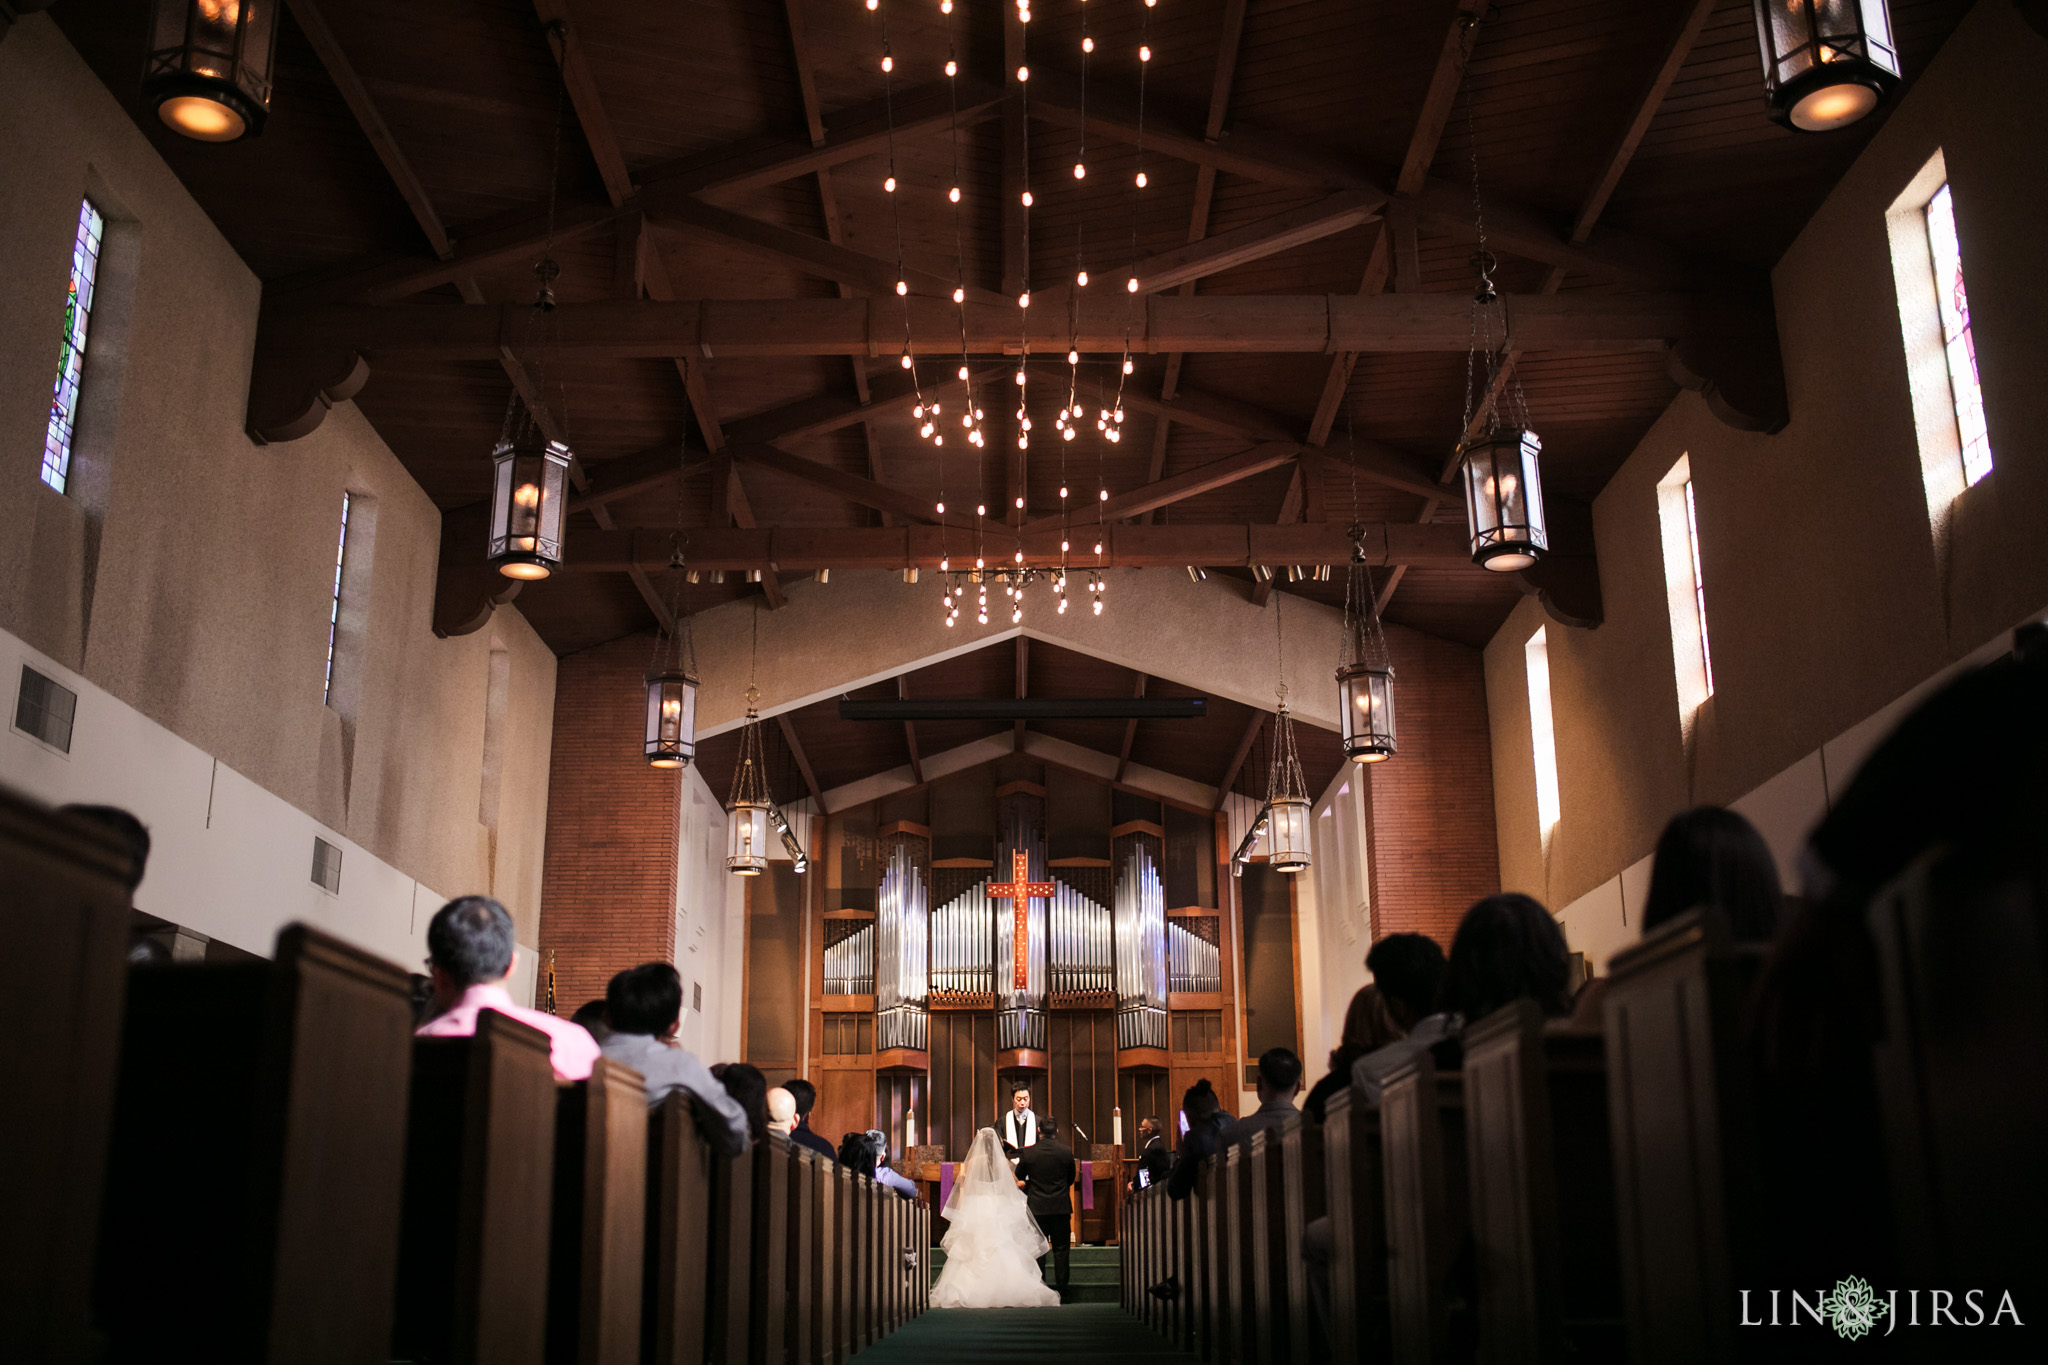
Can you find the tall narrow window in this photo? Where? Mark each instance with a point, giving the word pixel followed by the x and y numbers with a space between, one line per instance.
pixel 1542 735
pixel 1685 590
pixel 85 263
pixel 334 603
pixel 1956 338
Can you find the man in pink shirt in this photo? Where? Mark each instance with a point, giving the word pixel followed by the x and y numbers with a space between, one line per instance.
pixel 470 952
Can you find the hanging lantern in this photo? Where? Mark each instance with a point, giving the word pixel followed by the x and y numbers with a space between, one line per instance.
pixel 1504 498
pixel 209 64
pixel 1827 63
pixel 1287 811
pixel 1365 672
pixel 529 501
pixel 747 818
pixel 671 718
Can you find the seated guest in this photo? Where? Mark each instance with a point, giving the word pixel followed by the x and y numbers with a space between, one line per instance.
pixel 1408 975
pixel 781 1111
pixel 806 1096
pixel 1278 1083
pixel 1712 856
pixel 470 952
pixel 748 1089
pixel 883 1175
pixel 1368 1023
pixel 127 831
pixel 857 1154
pixel 591 1014
pixel 1204 1137
pixel 1154 1161
pixel 645 1007
pixel 1507 948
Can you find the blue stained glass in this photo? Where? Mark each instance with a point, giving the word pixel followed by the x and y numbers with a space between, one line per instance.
pixel 85 262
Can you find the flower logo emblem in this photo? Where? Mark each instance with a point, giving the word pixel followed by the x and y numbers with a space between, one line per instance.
pixel 1853 1308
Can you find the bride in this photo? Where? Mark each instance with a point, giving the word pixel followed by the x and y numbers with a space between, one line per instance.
pixel 992 1245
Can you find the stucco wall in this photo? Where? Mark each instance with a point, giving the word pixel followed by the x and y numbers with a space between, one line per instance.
pixel 189 572
pixel 1825 596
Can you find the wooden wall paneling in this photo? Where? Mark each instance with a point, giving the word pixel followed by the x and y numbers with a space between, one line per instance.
pixel 256 1145
pixel 1230 927
pixel 768 1268
pixel 1271 1005
pixel 597 1228
pixel 65 920
pixel 775 986
pixel 473 1257
pixel 727 1321
pixel 678 1236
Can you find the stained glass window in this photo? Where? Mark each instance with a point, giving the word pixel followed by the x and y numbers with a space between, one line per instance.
pixel 334 603
pixel 1956 337
pixel 85 264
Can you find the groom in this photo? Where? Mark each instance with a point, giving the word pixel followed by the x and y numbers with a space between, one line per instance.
pixel 1046 1170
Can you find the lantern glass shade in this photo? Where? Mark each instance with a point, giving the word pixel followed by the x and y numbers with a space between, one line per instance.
pixel 671 718
pixel 746 840
pixel 1827 63
pixel 529 500
pixel 209 65
pixel 1504 499
pixel 1287 834
pixel 1367 696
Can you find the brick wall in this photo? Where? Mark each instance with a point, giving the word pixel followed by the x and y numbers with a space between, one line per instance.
pixel 1433 848
pixel 608 890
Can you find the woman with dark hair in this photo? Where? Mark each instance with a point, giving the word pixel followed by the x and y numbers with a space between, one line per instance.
pixel 1711 856
pixel 1508 948
pixel 857 1154
pixel 749 1089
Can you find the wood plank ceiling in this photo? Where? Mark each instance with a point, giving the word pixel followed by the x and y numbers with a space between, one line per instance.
pixel 1210 751
pixel 1608 134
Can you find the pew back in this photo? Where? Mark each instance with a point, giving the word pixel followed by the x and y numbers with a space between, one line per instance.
pixel 598 1222
pixel 677 1279
pixel 1422 1141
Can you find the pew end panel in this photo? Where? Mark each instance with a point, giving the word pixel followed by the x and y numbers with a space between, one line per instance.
pixel 255 1174
pixel 678 1235
pixel 66 923
pixel 479 1176
pixel 1355 1197
pixel 1422 1142
pixel 598 1221
pixel 1304 1194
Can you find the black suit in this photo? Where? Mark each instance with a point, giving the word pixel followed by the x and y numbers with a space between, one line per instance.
pixel 1047 1169
pixel 1155 1161
pixel 803 1135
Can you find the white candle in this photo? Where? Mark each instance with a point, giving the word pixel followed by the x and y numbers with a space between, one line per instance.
pixel 909 1129
pixel 1116 1126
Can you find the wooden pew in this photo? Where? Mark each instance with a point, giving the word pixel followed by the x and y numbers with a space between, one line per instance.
pixel 479 1156
pixel 257 1157
pixel 1422 1141
pixel 822 1342
pixel 1541 1177
pixel 1686 1156
pixel 1267 1253
pixel 768 1266
pixel 597 1238
pixel 678 1223
pixel 845 1260
pixel 1304 1199
pixel 1962 1067
pixel 727 1316
pixel 65 922
pixel 1212 1232
pixel 802 1229
pixel 1235 1324
pixel 1187 1257
pixel 1355 1188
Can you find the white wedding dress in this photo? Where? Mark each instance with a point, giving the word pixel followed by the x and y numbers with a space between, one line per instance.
pixel 992 1245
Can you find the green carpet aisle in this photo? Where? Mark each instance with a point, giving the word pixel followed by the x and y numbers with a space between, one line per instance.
pixel 1092 1275
pixel 1079 1334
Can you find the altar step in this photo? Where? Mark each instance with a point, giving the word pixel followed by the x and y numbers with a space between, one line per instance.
pixel 1094 1273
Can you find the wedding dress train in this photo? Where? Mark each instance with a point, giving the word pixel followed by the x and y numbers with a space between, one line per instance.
pixel 992 1244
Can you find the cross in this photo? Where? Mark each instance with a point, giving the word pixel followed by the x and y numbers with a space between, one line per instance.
pixel 1018 891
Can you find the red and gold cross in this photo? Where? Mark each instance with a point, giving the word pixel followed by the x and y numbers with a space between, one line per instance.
pixel 1019 891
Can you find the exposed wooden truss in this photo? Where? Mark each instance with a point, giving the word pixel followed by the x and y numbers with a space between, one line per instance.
pixel 1123 756
pixel 1238 756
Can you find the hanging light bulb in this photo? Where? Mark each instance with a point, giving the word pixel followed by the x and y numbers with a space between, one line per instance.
pixel 889 185
pixel 1026 197
pixel 888 62
pixel 1024 299
pixel 952 67
pixel 1081 278
pixel 1080 171
pixel 1087 44
pixel 1129 364
pixel 960 296
pixel 1142 182
pixel 1023 73
pixel 963 376
pixel 1073 356
pixel 1145 54
pixel 1131 284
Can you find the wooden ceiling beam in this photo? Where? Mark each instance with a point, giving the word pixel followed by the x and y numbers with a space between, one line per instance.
pixel 1257 323
pixel 1691 20
pixel 573 60
pixel 910 731
pixel 1238 756
pixel 1201 479
pixel 1290 511
pixel 644 471
pixel 741 509
pixel 803 549
pixel 386 276
pixel 1441 97
pixel 1023 687
pixel 357 97
pixel 645 586
pixel 803 761
pixel 814 256
pixel 1123 756
pixel 855 489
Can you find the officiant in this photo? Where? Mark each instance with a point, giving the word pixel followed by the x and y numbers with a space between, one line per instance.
pixel 1020 1125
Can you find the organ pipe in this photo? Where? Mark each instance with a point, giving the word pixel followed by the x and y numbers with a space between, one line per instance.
pixel 1141 946
pixel 1080 948
pixel 1196 963
pixel 902 927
